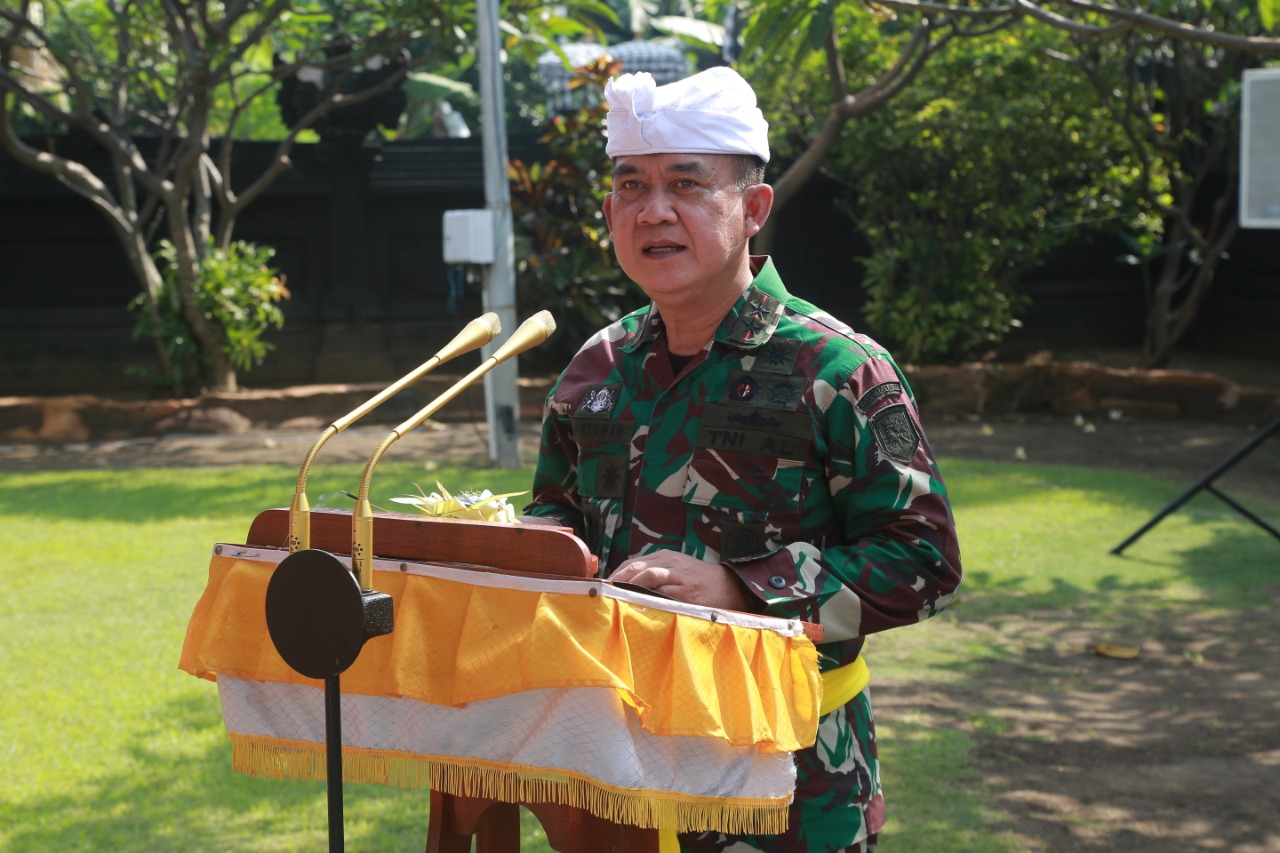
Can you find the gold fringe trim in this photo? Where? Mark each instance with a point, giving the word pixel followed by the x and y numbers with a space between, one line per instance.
pixel 276 758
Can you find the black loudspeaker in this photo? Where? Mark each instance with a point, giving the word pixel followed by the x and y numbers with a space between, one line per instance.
pixel 1260 149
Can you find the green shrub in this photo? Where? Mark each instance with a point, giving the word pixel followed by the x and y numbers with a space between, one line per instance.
pixel 995 158
pixel 564 258
pixel 237 292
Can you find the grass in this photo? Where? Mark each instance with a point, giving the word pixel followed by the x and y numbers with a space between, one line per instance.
pixel 108 746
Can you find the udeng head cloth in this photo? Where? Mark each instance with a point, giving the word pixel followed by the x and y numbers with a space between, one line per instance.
pixel 712 112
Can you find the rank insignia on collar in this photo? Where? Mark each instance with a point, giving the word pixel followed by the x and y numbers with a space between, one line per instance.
pixel 757 320
pixel 599 401
pixel 895 434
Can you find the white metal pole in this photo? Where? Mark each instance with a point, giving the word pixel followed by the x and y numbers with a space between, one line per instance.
pixel 502 393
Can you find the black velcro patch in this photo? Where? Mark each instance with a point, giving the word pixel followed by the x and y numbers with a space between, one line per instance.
pixel 895 434
pixel 611 476
pixel 740 541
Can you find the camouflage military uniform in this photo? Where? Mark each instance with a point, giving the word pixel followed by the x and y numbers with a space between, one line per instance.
pixel 789 450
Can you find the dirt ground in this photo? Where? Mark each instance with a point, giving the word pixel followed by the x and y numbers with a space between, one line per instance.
pixel 1178 750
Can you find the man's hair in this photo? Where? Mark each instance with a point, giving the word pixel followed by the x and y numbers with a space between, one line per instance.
pixel 750 170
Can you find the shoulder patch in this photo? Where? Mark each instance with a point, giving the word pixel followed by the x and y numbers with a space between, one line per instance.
pixel 880 392
pixel 895 434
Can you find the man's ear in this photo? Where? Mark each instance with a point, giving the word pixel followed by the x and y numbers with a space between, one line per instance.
pixel 757 202
pixel 608 210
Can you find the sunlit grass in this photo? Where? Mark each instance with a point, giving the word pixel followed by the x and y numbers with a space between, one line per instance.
pixel 106 745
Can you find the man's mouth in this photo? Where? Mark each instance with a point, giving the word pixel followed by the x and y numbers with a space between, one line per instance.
pixel 663 250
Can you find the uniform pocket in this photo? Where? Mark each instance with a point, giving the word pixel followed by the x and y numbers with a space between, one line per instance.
pixel 744 482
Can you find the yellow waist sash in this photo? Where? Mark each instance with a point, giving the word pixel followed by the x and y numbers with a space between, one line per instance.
pixel 842 684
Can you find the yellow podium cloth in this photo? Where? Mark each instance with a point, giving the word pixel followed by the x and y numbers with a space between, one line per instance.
pixel 641 710
pixel 839 686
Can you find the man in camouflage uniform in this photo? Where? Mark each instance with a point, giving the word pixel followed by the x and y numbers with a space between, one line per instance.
pixel 734 446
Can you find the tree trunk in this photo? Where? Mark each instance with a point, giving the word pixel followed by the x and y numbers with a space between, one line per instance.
pixel 1175 299
pixel 144 267
pixel 221 372
pixel 1157 345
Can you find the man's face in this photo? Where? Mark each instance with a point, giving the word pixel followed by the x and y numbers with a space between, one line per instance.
pixel 678 221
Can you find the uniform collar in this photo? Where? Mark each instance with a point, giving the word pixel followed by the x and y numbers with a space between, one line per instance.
pixel 750 322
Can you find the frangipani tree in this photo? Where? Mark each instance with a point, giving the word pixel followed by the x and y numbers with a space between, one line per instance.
pixel 190 78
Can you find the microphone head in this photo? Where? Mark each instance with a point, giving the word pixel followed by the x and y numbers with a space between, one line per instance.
pixel 532 332
pixel 491 323
pixel 543 321
pixel 475 334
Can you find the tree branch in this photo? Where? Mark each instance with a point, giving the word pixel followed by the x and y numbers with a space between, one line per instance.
pixel 1180 30
pixel 1132 17
pixel 1064 23
pixel 280 161
pixel 923 43
pixel 69 173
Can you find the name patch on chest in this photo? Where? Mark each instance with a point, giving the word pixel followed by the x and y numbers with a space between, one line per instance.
pixel 597 431
pixel 781 435
pixel 751 441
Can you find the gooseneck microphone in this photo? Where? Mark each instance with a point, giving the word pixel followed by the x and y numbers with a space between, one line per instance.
pixel 474 335
pixel 532 332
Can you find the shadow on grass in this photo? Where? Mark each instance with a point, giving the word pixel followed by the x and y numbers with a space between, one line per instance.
pixel 1073 750
pixel 1076 751
pixel 1066 521
pixel 176 798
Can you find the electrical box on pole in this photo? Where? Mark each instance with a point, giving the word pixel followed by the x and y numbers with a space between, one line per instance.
pixel 468 237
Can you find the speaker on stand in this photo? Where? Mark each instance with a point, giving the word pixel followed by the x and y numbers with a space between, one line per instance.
pixel 1260 149
pixel 1259 208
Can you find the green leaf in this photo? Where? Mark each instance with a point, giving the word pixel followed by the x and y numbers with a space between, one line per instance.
pixel 1267 12
pixel 312 18
pixel 691 29
pixel 762 26
pixel 819 27
pixel 423 85
pixel 258 57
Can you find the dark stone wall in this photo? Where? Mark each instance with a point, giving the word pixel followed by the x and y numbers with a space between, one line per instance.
pixel 359 236
pixel 357 233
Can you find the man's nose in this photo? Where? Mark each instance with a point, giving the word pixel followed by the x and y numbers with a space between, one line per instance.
pixel 657 208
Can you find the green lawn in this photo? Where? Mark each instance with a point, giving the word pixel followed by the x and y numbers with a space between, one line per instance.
pixel 106 745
